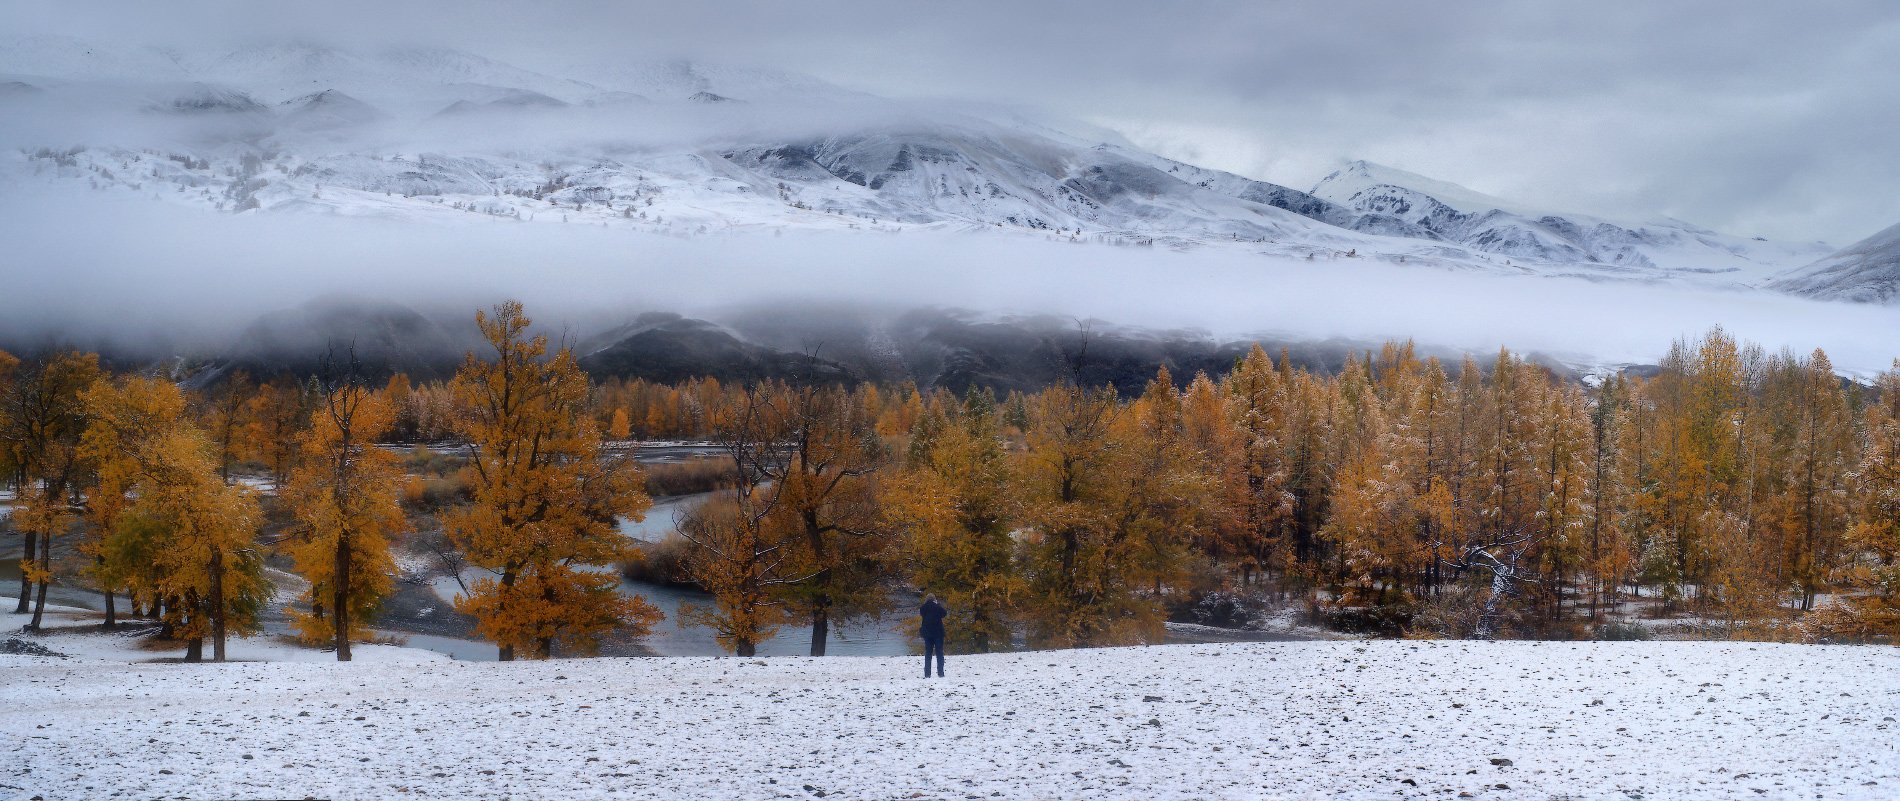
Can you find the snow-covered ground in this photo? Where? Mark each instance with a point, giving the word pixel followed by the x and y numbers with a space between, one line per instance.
pixel 1379 719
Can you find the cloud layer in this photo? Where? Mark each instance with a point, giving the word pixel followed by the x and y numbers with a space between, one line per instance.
pixel 174 277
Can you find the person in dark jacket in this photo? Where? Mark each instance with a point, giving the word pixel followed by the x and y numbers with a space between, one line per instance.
pixel 933 614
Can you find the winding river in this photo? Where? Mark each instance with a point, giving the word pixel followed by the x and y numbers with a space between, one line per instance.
pixel 675 636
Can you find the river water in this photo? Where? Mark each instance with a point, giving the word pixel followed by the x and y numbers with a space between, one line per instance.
pixel 675 636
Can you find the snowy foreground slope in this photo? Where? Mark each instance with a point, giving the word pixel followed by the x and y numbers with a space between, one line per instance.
pixel 1382 719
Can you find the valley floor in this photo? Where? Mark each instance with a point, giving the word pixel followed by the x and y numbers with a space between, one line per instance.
pixel 1341 719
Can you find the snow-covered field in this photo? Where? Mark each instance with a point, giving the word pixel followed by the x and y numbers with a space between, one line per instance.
pixel 1381 719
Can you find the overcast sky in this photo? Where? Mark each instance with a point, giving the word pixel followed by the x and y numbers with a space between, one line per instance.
pixel 1756 118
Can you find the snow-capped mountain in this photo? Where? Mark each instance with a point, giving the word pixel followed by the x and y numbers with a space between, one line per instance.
pixel 1867 271
pixel 686 148
pixel 1399 203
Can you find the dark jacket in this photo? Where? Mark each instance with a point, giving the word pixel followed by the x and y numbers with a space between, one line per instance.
pixel 933 614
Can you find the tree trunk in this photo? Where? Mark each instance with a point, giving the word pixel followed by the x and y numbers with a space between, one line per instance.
pixel 46 568
pixel 544 648
pixel 111 612
pixel 1502 575
pixel 30 544
pixel 820 624
pixel 506 653
pixel 190 610
pixel 341 602
pixel 743 647
pixel 217 606
pixel 166 630
pixel 821 600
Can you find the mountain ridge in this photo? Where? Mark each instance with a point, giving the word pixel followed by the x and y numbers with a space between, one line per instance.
pixel 427 133
pixel 1867 271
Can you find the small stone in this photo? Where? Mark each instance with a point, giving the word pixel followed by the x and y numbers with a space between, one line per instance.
pixel 1501 762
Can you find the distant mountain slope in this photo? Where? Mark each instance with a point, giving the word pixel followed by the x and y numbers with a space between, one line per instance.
pixel 685 148
pixel 324 334
pixel 1867 271
pixel 1394 201
pixel 670 348
pixel 931 347
pixel 1019 180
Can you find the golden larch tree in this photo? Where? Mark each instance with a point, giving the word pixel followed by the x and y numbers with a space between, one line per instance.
pixel 827 496
pixel 275 416
pixel 739 548
pixel 951 500
pixel 343 495
pixel 44 419
pixel 1875 537
pixel 194 534
pixel 546 503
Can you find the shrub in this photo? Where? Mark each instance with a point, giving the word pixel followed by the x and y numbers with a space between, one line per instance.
pixel 1224 609
pixel 691 477
pixel 1390 620
pixel 662 562
pixel 1623 632
pixel 435 494
pixel 422 460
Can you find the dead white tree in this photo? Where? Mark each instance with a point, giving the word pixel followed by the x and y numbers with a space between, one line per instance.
pixel 1501 557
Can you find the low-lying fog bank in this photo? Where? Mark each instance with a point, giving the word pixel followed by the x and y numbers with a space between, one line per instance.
pixel 96 272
